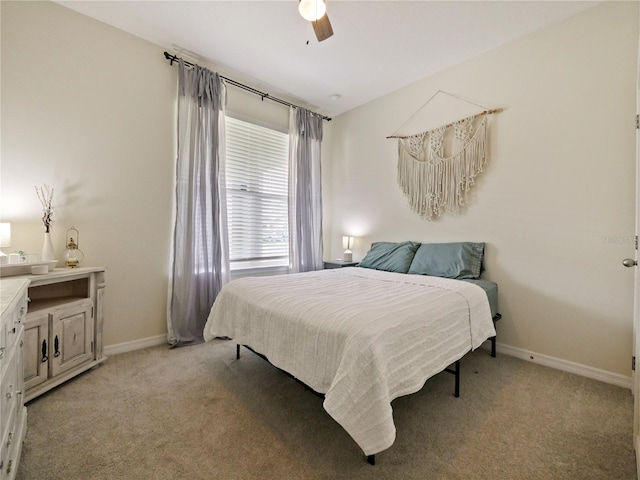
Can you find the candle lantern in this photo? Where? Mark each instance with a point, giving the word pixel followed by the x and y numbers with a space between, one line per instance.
pixel 72 254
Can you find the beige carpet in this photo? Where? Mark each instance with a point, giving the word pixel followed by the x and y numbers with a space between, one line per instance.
pixel 197 413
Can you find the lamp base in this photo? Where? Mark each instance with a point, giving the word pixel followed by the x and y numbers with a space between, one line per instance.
pixel 347 256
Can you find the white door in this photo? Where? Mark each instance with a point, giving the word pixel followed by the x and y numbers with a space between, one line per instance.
pixel 633 262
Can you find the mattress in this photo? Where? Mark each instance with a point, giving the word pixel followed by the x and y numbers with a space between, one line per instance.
pixel 491 289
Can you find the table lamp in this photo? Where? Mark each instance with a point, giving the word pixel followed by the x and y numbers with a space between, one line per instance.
pixel 347 243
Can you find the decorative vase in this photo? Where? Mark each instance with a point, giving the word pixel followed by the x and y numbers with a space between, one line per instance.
pixel 48 253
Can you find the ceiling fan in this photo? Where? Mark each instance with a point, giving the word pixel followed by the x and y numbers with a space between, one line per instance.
pixel 315 11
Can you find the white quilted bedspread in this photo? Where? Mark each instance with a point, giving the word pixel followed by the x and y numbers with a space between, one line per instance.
pixel 362 337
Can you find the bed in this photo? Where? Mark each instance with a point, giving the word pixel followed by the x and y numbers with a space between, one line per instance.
pixel 361 336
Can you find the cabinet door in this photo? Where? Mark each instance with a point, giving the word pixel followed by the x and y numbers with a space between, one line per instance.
pixel 71 338
pixel 36 350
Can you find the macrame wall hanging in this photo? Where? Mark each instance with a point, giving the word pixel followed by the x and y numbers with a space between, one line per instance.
pixel 438 167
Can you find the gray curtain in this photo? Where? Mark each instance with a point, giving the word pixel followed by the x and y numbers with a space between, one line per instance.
pixel 305 192
pixel 200 264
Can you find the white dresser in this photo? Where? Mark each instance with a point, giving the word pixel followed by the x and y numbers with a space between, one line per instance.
pixel 13 413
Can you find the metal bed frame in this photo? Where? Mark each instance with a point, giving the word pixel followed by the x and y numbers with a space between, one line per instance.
pixel 454 368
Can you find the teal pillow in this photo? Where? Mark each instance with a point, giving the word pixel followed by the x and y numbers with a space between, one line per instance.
pixel 390 257
pixel 449 260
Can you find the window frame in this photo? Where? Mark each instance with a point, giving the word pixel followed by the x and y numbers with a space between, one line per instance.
pixel 248 269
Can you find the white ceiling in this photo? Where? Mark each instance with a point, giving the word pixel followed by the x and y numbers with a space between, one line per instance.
pixel 377 46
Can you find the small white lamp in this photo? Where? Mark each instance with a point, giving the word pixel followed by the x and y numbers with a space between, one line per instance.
pixel 5 241
pixel 347 243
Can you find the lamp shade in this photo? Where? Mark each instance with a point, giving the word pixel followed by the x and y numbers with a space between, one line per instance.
pixel 5 235
pixel 312 9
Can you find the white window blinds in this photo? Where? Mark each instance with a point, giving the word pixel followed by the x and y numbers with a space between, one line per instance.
pixel 257 192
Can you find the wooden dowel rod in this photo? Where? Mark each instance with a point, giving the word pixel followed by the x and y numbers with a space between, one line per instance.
pixel 486 112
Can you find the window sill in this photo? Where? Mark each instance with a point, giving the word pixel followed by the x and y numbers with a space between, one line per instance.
pixel 258 272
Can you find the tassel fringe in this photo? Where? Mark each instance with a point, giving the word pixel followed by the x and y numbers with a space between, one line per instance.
pixel 434 184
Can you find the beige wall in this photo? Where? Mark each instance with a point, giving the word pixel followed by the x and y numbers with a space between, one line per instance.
pixel 556 203
pixel 90 111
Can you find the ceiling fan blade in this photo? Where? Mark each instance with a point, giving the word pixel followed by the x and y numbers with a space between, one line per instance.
pixel 322 28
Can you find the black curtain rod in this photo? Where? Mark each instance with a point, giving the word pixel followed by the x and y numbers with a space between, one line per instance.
pixel 173 58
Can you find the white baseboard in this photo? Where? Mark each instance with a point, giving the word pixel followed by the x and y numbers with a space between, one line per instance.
pixel 547 361
pixel 135 345
pixel 566 366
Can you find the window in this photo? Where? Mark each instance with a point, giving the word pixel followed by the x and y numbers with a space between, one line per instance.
pixel 257 195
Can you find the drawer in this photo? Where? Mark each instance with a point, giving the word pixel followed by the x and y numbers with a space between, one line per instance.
pixel 9 394
pixel 12 322
pixel 5 466
pixel 10 330
pixel 10 450
pixel 11 446
pixel 9 439
pixel 3 344
pixel 22 312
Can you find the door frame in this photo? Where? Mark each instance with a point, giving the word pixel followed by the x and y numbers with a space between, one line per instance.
pixel 636 293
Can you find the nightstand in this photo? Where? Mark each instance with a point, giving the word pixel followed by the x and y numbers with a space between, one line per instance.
pixel 339 264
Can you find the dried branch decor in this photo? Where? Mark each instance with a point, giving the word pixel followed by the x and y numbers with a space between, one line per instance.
pixel 45 195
